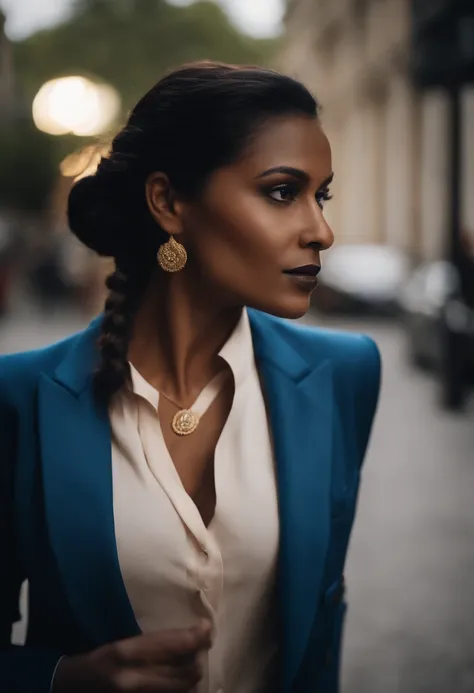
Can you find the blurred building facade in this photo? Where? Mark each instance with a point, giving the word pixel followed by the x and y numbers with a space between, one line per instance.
pixel 390 142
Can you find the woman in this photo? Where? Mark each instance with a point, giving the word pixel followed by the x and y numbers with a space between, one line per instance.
pixel 179 480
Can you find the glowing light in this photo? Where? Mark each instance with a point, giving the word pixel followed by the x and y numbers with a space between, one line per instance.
pixel 83 162
pixel 75 105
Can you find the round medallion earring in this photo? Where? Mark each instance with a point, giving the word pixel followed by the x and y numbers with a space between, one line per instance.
pixel 172 256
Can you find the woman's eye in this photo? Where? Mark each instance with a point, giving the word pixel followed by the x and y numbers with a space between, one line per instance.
pixel 283 193
pixel 323 196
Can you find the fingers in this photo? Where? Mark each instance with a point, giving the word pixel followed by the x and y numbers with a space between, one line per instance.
pixel 161 662
pixel 163 678
pixel 181 643
pixel 194 640
pixel 188 674
pixel 170 646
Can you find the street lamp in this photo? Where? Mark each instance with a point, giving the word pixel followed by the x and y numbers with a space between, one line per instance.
pixel 75 105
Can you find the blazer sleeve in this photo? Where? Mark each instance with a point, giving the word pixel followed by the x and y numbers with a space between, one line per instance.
pixel 22 669
pixel 368 378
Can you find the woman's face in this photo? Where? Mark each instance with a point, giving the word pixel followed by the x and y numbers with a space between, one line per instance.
pixel 257 231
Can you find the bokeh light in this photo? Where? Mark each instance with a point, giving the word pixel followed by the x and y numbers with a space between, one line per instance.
pixel 75 105
pixel 83 162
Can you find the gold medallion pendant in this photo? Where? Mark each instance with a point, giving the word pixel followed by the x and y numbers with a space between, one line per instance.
pixel 185 422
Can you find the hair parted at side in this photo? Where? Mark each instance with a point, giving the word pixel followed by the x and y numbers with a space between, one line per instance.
pixel 196 119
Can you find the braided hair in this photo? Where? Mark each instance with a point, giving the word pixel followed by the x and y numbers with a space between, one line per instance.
pixel 193 121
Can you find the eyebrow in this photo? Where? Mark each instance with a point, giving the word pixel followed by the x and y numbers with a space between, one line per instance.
pixel 296 173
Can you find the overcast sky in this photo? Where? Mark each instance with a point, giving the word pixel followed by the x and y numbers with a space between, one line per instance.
pixel 256 17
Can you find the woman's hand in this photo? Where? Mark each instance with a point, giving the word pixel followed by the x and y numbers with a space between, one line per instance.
pixel 161 662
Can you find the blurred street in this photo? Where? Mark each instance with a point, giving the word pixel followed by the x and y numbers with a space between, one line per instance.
pixel 394 80
pixel 409 574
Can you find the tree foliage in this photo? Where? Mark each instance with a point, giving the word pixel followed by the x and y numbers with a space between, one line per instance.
pixel 127 43
pixel 131 43
pixel 27 168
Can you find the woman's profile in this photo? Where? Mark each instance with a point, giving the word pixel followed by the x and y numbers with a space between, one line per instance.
pixel 178 482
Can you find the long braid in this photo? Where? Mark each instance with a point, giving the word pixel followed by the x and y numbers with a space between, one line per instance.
pixel 112 371
pixel 125 291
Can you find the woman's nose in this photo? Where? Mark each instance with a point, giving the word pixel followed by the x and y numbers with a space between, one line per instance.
pixel 318 234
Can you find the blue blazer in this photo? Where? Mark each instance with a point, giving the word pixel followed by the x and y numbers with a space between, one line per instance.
pixel 56 513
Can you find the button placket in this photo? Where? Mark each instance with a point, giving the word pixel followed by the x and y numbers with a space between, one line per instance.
pixel 203 569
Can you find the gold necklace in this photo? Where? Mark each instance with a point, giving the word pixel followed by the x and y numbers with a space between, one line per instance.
pixel 187 419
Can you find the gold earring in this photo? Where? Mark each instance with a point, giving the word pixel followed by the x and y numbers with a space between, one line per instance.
pixel 172 256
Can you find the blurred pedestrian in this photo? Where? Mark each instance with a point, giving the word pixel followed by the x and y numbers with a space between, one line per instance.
pixel 179 480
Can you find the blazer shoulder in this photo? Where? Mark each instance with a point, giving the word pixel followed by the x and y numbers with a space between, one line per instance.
pixel 353 351
pixel 356 358
pixel 357 367
pixel 19 372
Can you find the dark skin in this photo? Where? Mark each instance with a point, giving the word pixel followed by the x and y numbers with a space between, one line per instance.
pixel 256 218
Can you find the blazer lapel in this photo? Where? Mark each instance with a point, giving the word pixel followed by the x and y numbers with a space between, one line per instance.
pixel 75 449
pixel 299 401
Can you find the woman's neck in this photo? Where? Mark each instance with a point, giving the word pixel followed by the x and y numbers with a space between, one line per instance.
pixel 179 330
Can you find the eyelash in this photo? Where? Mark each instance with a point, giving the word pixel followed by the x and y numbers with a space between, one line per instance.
pixel 322 196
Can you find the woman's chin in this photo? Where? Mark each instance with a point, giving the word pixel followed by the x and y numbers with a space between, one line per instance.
pixel 289 308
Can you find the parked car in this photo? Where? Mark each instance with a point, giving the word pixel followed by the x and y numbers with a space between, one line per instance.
pixel 432 304
pixel 358 279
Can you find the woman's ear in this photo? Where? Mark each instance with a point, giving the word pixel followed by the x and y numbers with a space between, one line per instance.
pixel 162 203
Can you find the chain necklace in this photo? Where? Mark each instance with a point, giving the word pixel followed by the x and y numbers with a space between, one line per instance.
pixel 187 419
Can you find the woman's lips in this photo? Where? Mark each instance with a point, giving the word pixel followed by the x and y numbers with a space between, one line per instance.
pixel 307 270
pixel 305 277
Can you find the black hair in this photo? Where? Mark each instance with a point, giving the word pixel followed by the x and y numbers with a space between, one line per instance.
pixel 193 121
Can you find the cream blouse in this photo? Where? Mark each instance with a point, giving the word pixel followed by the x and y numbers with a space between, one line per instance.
pixel 175 569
